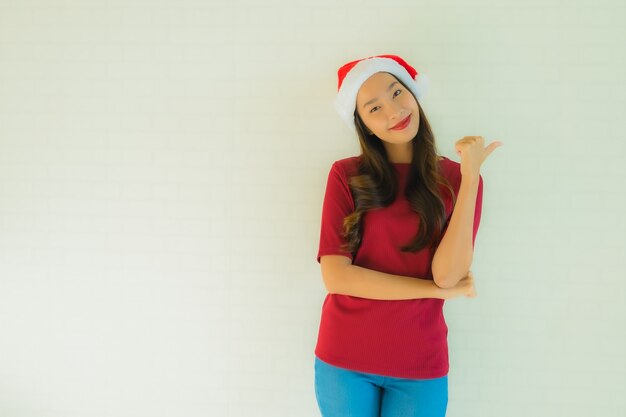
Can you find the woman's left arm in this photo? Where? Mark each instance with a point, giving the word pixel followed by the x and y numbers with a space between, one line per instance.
pixel 453 257
pixel 454 254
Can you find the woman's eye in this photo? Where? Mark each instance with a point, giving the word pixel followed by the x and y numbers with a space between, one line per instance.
pixel 373 108
pixel 394 94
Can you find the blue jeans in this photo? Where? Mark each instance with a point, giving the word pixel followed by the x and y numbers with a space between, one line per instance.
pixel 344 393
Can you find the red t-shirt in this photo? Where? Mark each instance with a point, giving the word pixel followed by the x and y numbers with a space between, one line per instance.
pixel 398 338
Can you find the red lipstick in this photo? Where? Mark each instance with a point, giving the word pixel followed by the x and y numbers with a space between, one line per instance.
pixel 403 124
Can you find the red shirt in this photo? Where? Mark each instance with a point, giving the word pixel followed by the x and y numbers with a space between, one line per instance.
pixel 398 338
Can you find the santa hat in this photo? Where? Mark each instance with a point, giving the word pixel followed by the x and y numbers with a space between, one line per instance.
pixel 353 74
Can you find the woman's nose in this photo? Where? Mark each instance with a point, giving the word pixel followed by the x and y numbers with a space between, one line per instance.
pixel 395 111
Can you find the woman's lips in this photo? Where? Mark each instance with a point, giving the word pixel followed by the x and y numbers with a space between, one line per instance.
pixel 403 124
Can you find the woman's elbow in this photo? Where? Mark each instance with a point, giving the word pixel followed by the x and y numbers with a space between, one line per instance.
pixel 449 274
pixel 442 282
pixel 440 277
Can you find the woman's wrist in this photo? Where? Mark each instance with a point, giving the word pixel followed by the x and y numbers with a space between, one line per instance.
pixel 472 178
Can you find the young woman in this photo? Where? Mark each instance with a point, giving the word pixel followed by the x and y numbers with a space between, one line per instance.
pixel 398 227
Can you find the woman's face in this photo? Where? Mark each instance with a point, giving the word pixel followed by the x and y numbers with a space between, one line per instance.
pixel 383 102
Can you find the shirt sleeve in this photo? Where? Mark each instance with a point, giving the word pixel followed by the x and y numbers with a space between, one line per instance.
pixel 337 204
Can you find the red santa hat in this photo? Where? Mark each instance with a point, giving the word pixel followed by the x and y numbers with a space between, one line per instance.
pixel 353 74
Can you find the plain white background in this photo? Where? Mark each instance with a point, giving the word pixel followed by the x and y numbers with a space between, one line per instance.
pixel 162 170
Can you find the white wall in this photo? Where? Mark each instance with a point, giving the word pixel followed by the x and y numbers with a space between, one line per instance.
pixel 162 170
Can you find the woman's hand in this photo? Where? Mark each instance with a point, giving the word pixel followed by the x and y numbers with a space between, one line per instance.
pixel 473 153
pixel 465 287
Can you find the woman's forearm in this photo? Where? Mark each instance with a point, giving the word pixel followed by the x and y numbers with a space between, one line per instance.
pixel 368 283
pixel 455 252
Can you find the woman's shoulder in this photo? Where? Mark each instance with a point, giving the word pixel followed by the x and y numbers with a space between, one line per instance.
pixel 444 159
pixel 350 160
pixel 450 169
pixel 448 163
pixel 348 165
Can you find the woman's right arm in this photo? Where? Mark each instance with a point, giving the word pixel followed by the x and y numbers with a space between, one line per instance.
pixel 342 277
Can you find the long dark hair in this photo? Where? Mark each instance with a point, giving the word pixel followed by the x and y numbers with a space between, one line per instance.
pixel 375 186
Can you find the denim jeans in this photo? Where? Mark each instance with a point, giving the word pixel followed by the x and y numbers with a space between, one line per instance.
pixel 344 393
